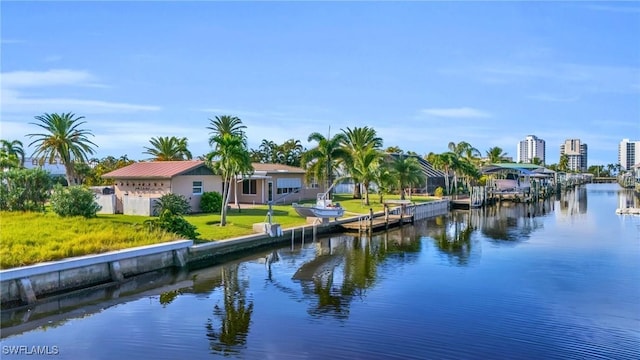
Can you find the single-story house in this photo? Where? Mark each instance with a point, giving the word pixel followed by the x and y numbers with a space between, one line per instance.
pixel 139 185
pixel 278 183
pixel 136 185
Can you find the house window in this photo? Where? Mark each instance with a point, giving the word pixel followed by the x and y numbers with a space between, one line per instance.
pixel 249 187
pixel 197 188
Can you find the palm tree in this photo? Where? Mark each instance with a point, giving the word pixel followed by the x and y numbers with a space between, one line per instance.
pixel 496 155
pixel 63 139
pixel 321 160
pixel 407 172
pixel 464 154
pixel 231 159
pixel 445 162
pixel 164 148
pixel 290 152
pixel 383 178
pixel 563 164
pixel 15 148
pixel 358 143
pixel 364 168
pixel 226 125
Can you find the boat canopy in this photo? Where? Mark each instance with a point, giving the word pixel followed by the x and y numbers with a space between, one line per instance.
pixel 523 169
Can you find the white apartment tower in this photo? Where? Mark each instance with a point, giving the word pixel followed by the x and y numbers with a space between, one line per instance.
pixel 529 148
pixel 628 154
pixel 576 154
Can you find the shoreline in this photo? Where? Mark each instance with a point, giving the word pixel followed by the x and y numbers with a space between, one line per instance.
pixel 35 284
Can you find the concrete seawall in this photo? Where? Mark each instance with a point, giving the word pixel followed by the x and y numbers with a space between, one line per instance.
pixel 27 284
pixel 34 284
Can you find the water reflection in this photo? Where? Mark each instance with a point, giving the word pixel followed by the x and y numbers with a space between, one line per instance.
pixel 452 235
pixel 344 267
pixel 628 198
pixel 574 201
pixel 228 328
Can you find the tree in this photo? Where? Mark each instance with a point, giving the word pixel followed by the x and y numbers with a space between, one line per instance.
pixel 563 164
pixel 165 148
pixel 496 155
pixel 24 189
pixel 105 165
pixel 358 144
pixel 364 167
pixel 13 148
pixel 321 160
pixel 63 139
pixel 383 178
pixel 230 159
pixel 226 125
pixel 445 162
pixel 407 172
pixel 290 152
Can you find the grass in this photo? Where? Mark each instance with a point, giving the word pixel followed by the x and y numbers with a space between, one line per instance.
pixel 29 238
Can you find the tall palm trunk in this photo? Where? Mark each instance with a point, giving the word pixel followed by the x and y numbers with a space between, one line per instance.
pixel 356 191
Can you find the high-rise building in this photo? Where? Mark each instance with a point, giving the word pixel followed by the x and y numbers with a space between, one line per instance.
pixel 576 153
pixel 628 154
pixel 529 148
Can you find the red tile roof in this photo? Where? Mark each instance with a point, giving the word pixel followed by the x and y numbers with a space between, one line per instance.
pixel 154 169
pixel 271 168
pixel 169 169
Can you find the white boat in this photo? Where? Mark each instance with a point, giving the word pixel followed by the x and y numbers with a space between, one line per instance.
pixel 323 208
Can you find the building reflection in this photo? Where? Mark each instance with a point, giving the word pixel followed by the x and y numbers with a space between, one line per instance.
pixel 574 201
pixel 628 198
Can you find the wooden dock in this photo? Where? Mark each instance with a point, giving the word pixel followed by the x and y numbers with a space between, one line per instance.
pixel 365 223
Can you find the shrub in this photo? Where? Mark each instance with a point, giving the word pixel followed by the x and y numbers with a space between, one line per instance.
pixel 24 189
pixel 439 191
pixel 211 202
pixel 176 224
pixel 176 204
pixel 74 201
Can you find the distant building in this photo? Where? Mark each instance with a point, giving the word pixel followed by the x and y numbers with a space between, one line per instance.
pixel 628 154
pixel 55 168
pixel 529 148
pixel 576 154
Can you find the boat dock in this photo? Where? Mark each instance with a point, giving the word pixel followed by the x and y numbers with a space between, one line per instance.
pixel 396 212
pixel 367 223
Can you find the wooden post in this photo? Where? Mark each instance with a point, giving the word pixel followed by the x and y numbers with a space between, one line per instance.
pixel 370 218
pixel 386 216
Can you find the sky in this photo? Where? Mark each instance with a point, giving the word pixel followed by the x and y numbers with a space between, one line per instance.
pixel 422 74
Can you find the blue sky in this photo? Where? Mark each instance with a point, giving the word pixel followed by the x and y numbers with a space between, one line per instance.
pixel 421 74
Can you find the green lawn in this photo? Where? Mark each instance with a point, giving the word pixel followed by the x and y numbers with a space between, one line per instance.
pixel 29 238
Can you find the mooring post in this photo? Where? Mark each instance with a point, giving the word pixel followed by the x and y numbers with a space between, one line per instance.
pixel 371 218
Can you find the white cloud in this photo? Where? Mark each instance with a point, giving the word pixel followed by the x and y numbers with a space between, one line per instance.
pixel 618 9
pixel 13 102
pixel 579 77
pixel 554 98
pixel 55 77
pixel 463 112
pixel 16 84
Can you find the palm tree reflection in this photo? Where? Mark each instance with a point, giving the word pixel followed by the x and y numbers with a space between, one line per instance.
pixel 227 330
pixel 452 235
pixel 345 267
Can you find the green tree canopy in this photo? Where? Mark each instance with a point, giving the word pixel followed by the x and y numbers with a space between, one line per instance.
pixel 63 139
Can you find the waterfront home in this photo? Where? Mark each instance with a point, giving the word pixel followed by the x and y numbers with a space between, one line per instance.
pixel 138 186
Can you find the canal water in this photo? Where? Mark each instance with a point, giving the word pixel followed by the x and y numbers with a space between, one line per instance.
pixel 558 280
